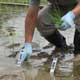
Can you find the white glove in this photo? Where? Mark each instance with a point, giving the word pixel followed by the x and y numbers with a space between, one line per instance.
pixel 68 21
pixel 24 53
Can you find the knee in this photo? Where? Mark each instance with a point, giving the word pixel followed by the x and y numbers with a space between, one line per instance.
pixel 40 17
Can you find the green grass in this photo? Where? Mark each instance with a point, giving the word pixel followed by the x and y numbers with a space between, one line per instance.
pixel 15 1
pixel 22 1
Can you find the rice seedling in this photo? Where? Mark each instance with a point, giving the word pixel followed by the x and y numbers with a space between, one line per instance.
pixel 55 16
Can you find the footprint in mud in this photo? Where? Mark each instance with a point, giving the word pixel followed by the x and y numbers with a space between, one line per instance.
pixel 40 55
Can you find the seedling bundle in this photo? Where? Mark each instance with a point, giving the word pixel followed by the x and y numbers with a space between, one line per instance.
pixel 55 17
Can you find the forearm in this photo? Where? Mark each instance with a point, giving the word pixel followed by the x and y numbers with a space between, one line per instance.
pixel 76 10
pixel 30 22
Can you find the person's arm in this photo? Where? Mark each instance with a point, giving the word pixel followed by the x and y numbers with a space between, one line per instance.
pixel 30 22
pixel 76 10
pixel 68 19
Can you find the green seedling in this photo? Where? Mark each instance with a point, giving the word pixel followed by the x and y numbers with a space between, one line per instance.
pixel 55 16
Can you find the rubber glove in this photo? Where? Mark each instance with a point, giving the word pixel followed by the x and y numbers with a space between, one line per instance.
pixel 24 53
pixel 68 21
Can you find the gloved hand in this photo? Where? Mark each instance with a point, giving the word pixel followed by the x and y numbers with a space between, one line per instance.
pixel 24 53
pixel 68 21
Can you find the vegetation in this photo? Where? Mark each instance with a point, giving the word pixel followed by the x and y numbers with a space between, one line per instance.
pixel 21 1
pixel 55 16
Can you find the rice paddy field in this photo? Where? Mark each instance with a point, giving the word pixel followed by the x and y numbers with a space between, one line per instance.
pixel 12 18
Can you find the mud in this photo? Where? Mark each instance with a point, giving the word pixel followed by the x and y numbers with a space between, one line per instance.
pixel 38 66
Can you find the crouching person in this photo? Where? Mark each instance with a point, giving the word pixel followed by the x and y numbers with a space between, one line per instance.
pixel 45 25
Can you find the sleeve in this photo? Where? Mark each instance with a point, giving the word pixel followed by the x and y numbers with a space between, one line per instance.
pixel 34 2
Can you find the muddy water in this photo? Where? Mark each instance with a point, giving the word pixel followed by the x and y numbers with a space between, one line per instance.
pixel 38 66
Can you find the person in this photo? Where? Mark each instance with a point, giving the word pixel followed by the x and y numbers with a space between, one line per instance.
pixel 46 27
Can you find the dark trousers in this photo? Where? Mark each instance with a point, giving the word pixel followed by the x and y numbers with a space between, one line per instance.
pixel 57 39
pixel 60 42
pixel 77 42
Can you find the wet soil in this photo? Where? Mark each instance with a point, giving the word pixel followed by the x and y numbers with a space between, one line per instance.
pixel 38 66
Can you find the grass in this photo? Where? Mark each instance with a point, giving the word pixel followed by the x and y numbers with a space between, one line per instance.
pixel 22 1
pixel 15 1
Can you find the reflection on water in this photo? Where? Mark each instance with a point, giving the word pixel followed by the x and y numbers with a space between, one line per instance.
pixel 38 67
pixel 77 70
